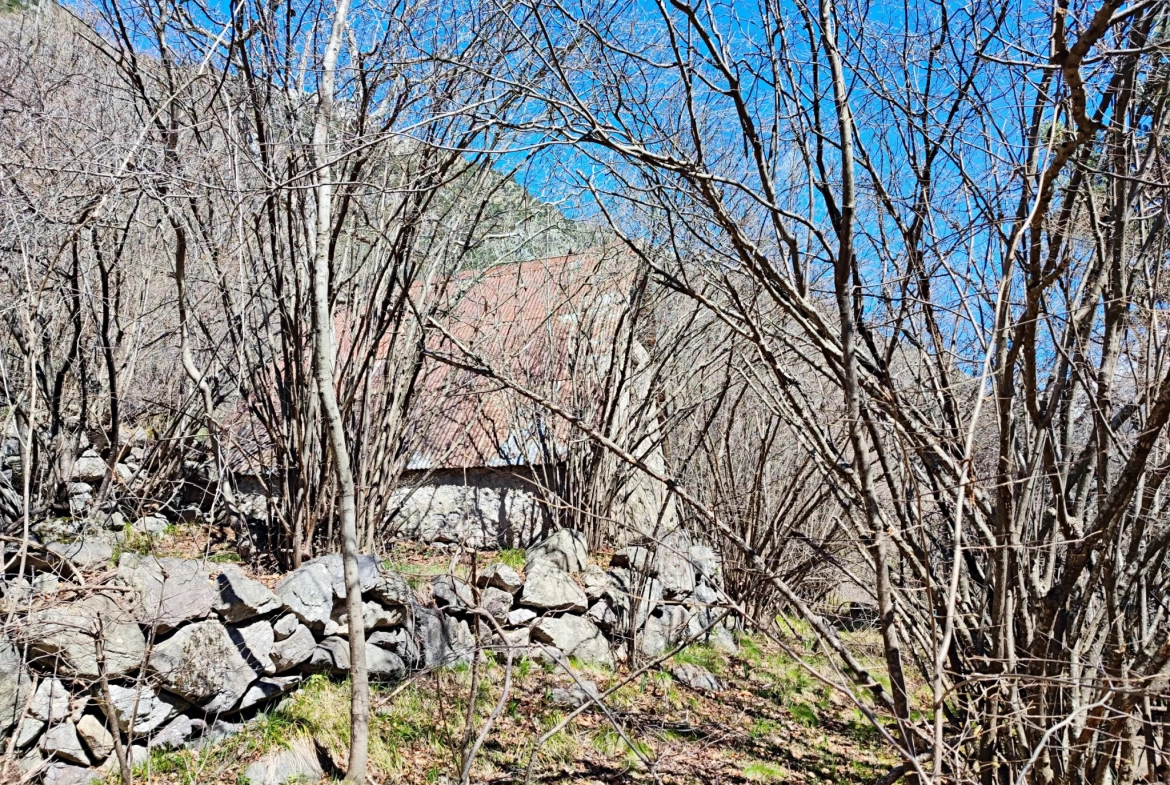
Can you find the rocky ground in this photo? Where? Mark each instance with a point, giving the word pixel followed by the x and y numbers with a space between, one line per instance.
pixel 216 674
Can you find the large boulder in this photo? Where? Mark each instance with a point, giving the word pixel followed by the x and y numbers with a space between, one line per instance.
pixel 293 650
pixel 66 636
pixel 169 592
pixel 256 641
pixel 565 548
pixel 50 702
pixel 266 689
pixel 443 640
pixel 240 598
pixel 89 467
pixel 28 731
pixel 375 615
pixel 496 602
pixel 65 774
pixel 452 591
pixel 369 572
pixel 706 562
pixel 575 636
pixel 548 587
pixel 672 561
pixel 96 737
pixel 696 677
pixel 174 735
pixel 392 589
pixel 307 591
pixel 61 742
pixel 633 595
pixel 596 581
pixel 332 655
pixel 143 706
pixel 500 576
pixel 299 761
pixel 203 664
pixel 15 685
pixel 87 553
pixel 664 629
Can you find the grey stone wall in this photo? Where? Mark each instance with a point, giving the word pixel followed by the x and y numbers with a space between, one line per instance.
pixel 480 508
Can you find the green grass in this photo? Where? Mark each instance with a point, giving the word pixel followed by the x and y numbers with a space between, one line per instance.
pixel 513 557
pixel 610 743
pixel 704 656
pixel 763 772
pixel 804 714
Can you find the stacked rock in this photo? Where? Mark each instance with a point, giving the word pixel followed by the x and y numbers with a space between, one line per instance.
pixel 166 652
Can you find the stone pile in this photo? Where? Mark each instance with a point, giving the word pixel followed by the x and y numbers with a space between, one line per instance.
pixel 186 648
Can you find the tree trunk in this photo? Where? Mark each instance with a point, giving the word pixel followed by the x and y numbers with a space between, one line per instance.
pixel 323 357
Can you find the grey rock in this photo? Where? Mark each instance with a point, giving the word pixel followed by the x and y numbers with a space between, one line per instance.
pixel 151 525
pixel 240 598
pixel 308 592
pixel 369 572
pixel 67 635
pixel 575 636
pixel 87 553
pixel 77 706
pixel 576 695
pixel 602 615
pixel 721 639
pixel 665 628
pixel 548 587
pixel 298 762
pixel 285 626
pixel 596 581
pixel 218 730
pixel 672 562
pixel 452 592
pixel 696 677
pixel 398 641
pixel 64 774
pixel 266 689
pixel 293 650
pixel 565 548
pixel 256 641
pixel 96 737
pixel 706 595
pixel 516 640
pixel 169 591
pixel 706 562
pixel 148 709
pixel 496 602
pixel 331 655
pixel 635 558
pixel 384 665
pixel 59 529
pixel 500 576
pixel 50 702
pixel 392 589
pixel 28 731
pixel 174 735
pixel 61 742
pixel 203 664
pixel 632 591
pixel 34 759
pixel 520 616
pixel 443 640
pixel 89 468
pixel 375 615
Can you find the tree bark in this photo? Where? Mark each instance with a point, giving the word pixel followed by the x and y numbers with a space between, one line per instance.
pixel 323 355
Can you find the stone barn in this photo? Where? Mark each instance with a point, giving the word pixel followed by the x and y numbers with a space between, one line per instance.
pixel 486 462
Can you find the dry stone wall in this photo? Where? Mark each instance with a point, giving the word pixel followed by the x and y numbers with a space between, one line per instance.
pixel 188 649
